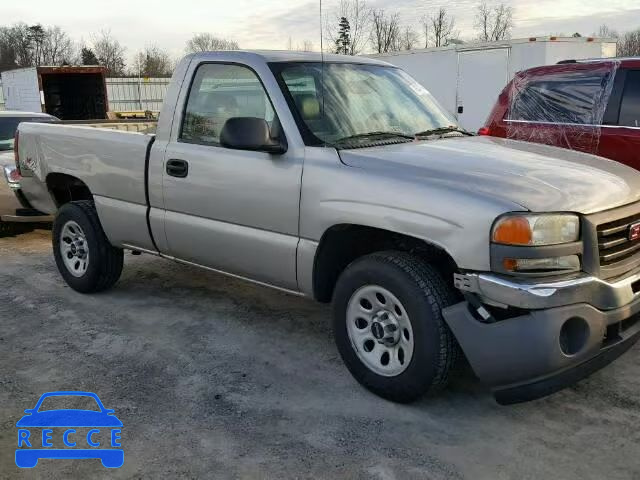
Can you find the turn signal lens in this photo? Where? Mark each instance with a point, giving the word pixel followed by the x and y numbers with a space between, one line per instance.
pixel 513 231
pixel 536 229
pixel 569 263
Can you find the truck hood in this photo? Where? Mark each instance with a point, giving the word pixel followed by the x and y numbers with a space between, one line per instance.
pixel 537 177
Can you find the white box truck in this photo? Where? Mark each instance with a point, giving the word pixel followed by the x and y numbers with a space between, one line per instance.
pixel 467 78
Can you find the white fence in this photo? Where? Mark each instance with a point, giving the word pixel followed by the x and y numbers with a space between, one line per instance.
pixel 126 94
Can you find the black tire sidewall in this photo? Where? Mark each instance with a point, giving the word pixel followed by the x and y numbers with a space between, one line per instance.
pixel 424 367
pixel 88 281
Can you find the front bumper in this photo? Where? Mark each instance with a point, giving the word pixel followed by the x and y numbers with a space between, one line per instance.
pixel 531 294
pixel 570 329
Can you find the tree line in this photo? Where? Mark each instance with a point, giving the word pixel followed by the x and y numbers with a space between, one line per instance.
pixel 355 27
pixel 628 42
pixel 23 45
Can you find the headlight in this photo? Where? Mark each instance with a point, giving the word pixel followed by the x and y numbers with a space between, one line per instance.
pixel 536 229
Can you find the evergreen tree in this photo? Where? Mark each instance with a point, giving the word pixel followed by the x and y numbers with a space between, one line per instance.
pixel 343 42
pixel 88 57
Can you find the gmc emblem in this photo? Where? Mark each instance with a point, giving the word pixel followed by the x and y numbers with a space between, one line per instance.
pixel 634 231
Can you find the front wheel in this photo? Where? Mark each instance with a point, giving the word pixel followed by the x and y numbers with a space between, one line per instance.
pixel 389 328
pixel 85 258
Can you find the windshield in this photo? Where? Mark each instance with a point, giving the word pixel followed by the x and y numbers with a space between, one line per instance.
pixel 363 101
pixel 9 125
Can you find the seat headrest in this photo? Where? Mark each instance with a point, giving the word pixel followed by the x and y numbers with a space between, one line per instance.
pixel 308 106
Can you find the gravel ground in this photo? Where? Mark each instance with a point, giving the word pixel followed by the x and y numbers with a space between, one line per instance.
pixel 213 377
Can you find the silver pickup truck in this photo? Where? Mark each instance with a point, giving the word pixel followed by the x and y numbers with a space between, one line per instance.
pixel 343 180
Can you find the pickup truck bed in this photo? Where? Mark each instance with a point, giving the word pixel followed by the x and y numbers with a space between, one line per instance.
pixel 106 158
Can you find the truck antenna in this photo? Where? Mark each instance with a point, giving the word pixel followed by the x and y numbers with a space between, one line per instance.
pixel 321 62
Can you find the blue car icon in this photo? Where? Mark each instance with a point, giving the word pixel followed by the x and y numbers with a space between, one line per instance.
pixel 104 431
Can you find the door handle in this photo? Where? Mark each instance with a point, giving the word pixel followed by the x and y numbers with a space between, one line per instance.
pixel 177 168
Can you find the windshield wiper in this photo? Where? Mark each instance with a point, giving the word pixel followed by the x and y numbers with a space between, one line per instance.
pixel 441 130
pixel 359 136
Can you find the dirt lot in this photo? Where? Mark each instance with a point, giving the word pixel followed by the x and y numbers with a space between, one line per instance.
pixel 216 378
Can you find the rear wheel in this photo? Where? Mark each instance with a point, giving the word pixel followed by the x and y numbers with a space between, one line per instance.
pixel 85 258
pixel 389 328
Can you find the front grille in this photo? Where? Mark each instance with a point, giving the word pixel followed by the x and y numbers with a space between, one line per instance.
pixel 614 246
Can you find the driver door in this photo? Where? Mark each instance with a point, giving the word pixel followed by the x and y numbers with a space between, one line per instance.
pixel 231 210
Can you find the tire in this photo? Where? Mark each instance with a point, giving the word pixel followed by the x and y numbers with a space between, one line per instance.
pixel 422 294
pixel 10 229
pixel 79 222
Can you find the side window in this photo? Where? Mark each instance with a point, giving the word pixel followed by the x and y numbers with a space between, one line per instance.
pixel 630 106
pixel 220 92
pixel 563 98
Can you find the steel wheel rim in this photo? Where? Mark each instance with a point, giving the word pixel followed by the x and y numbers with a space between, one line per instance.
pixel 386 349
pixel 74 249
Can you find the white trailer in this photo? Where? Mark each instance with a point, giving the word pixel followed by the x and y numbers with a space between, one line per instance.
pixel 467 79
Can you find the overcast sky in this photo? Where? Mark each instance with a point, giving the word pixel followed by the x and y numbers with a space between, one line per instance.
pixel 270 23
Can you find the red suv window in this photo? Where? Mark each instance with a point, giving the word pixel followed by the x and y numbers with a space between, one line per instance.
pixel 630 106
pixel 567 97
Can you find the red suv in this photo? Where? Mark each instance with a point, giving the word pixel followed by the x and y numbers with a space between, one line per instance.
pixel 592 106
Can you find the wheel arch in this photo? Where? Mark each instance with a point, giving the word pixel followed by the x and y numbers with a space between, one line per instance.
pixel 65 188
pixel 341 244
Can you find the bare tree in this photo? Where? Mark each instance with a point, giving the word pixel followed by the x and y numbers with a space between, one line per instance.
pixel 110 53
pixel 358 15
pixel 57 47
pixel 605 32
pixel 205 42
pixel 27 46
pixel 153 62
pixel 494 23
pixel 629 44
pixel 385 33
pixel 305 46
pixel 442 27
pixel 408 38
pixel 15 47
pixel 425 23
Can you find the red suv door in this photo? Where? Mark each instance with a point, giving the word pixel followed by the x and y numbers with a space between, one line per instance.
pixel 620 135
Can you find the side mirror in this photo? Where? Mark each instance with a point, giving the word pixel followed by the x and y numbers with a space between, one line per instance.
pixel 29 410
pixel 109 411
pixel 250 133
